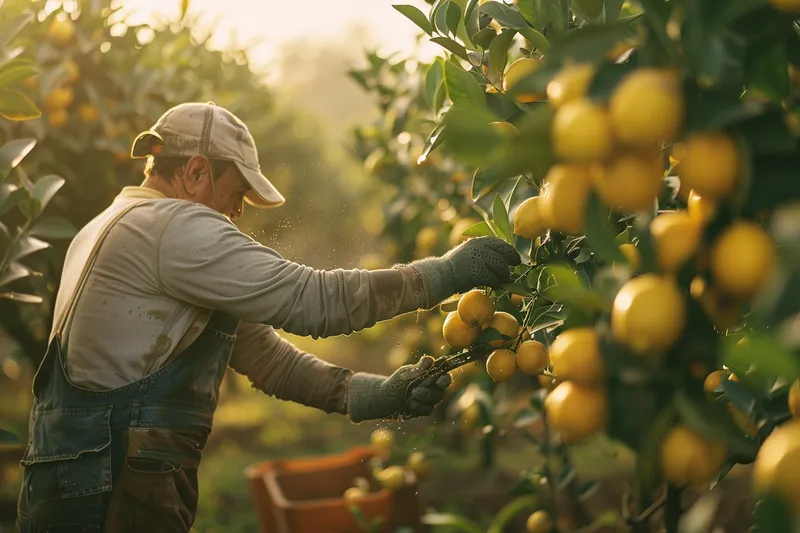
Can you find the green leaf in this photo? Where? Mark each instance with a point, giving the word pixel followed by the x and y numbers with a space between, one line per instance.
pixel 648 472
pixel 46 188
pixel 6 438
pixel 21 298
pixel 416 16
pixel 767 73
pixel 763 350
pixel 507 16
pixel 17 74
pixel 500 217
pixel 12 199
pixel 462 88
pixel 54 228
pixel 537 39
pixel 527 8
pixel 434 140
pixel 25 246
pixel 16 106
pixel 456 522
pixel 509 511
pixel 498 52
pixel 517 288
pixel 433 81
pixel 484 182
pixel 12 153
pixel 560 283
pixel 481 229
pixel 11 27
pixel 452 17
pixel 484 38
pixel 469 10
pixel 714 421
pixel 773 515
pixel 600 231
pixel 358 77
pixel 451 45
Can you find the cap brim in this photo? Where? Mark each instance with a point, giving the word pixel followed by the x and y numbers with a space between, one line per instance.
pixel 146 144
pixel 262 194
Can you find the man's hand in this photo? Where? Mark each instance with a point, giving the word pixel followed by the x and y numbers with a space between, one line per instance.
pixel 478 262
pixel 372 397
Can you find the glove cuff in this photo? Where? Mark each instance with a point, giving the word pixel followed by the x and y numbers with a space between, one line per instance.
pixel 363 397
pixel 437 277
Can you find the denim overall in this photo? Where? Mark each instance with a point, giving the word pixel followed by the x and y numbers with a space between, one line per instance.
pixel 122 460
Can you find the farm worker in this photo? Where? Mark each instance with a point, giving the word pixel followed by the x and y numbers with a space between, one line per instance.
pixel 161 292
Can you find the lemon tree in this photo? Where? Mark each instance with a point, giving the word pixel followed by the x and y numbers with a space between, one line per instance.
pixel 648 183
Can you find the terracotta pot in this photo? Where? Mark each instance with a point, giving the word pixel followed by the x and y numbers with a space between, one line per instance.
pixel 305 496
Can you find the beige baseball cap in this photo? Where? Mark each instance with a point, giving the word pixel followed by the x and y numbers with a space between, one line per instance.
pixel 208 129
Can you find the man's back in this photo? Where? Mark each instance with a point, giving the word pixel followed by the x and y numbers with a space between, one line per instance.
pixel 125 323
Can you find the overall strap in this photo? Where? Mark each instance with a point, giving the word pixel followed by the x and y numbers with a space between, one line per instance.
pixel 87 267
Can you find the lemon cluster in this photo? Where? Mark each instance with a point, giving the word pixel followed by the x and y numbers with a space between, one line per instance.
pixel 476 311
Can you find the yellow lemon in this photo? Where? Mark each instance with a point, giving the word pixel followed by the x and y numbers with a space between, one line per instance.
pixel 507 325
pixel 501 365
pixel 382 440
pixel 504 128
pixel 517 71
pixel 581 132
pixel 353 494
pixel 391 478
pixel 532 357
pixel 676 237
pixel 575 356
pixel 570 84
pixel 630 182
pixel 786 6
pixel 777 465
pixel 713 380
pixel 742 258
pixel 564 195
pixel 457 333
pixel 528 218
pixel 476 308
pixel 576 412
pixel 688 458
pixel 58 118
pixel 59 98
pixel 794 399
pixel 646 108
pixel 648 314
pixel 87 113
pixel 61 31
pixel 539 522
pixel 709 164
pixel 632 255
pixel 418 463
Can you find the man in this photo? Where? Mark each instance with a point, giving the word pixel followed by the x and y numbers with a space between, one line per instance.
pixel 160 293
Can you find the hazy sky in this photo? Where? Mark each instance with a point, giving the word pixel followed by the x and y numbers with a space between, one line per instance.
pixel 273 23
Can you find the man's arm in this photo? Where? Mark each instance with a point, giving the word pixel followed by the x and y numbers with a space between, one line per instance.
pixel 206 261
pixel 278 368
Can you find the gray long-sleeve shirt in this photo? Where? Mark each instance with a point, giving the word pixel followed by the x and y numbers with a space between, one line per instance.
pixel 167 264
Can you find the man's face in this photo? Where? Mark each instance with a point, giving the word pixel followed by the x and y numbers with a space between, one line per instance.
pixel 223 193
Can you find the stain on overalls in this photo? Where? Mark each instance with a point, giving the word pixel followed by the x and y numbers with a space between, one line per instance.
pixel 123 460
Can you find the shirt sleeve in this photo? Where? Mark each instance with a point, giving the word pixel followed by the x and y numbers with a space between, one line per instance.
pixel 278 368
pixel 205 260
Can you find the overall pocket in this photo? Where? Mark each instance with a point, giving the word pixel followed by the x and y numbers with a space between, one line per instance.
pixel 157 488
pixel 67 468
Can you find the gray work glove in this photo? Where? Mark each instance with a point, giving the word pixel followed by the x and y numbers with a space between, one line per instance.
pixel 372 397
pixel 478 262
